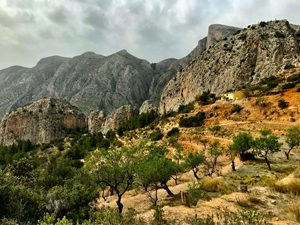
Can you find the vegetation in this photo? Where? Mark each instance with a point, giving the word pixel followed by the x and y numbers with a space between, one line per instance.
pixel 206 98
pixel 138 121
pixel 186 108
pixel 292 139
pixel 156 135
pixel 194 121
pixel 263 146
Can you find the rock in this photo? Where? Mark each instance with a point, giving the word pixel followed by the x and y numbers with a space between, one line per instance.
pixel 218 32
pixel 242 59
pixel 97 122
pixel 88 81
pixel 41 122
pixel 147 106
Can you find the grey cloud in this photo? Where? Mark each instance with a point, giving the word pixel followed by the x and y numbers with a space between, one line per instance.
pixel 96 18
pixel 58 15
pixel 6 20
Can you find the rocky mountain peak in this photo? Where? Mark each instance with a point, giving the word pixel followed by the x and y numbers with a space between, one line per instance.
pixel 217 32
pixel 254 53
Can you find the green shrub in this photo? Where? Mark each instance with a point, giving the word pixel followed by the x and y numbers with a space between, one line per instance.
pixel 279 34
pixel 262 24
pixel 236 108
pixel 289 66
pixel 138 121
pixel 186 108
pixel 174 130
pixel 196 192
pixel 282 104
pixel 156 135
pixel 288 86
pixel 194 121
pixel 294 77
pixel 242 37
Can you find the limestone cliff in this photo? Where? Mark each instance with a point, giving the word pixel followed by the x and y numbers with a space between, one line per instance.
pixel 260 51
pixel 98 122
pixel 41 122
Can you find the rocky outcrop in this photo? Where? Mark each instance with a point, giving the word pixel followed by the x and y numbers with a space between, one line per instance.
pixel 40 122
pixel 97 122
pixel 260 51
pixel 218 32
pixel 146 107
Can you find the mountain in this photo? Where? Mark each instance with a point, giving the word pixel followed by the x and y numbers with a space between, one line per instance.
pixel 89 81
pixel 96 82
pixel 260 51
pixel 41 122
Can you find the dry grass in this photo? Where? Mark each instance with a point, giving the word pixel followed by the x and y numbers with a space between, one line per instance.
pixel 293 186
pixel 297 172
pixel 215 184
pixel 249 200
pixel 292 209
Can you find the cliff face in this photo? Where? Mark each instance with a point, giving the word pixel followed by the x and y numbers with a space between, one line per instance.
pixel 98 122
pixel 216 33
pixel 41 122
pixel 260 51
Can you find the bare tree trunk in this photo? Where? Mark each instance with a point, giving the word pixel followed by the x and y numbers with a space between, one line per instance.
pixel 233 165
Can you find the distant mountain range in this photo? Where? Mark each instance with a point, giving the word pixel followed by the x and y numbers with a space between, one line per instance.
pixel 91 81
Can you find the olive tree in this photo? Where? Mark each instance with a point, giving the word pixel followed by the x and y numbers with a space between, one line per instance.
pixel 262 146
pixel 115 171
pixel 292 139
pixel 153 170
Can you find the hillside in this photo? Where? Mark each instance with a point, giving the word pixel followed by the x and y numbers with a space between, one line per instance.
pixel 260 51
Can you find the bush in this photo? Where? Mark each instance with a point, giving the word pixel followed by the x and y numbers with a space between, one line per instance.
pixel 288 86
pixel 236 108
pixel 262 24
pixel 279 35
pixel 194 121
pixel 298 89
pixel 289 66
pixel 242 37
pixel 186 108
pixel 282 104
pixel 196 192
pixel 156 135
pixel 294 77
pixel 174 130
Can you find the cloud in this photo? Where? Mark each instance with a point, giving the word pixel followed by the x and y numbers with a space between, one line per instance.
pixel 58 15
pixel 149 29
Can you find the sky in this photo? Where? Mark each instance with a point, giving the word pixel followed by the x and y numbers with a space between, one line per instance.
pixel 149 29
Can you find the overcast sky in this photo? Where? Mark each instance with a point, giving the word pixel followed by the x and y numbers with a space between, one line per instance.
pixel 150 29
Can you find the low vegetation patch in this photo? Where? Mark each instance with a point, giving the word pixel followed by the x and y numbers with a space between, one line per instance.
pixel 194 121
pixel 292 186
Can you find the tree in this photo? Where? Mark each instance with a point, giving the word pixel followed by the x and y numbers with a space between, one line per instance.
pixel 177 157
pixel 153 170
pixel 262 146
pixel 211 156
pixel 242 143
pixel 282 104
pixel 265 132
pixel 215 129
pixel 193 161
pixel 292 139
pixel 115 170
pixel 232 153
